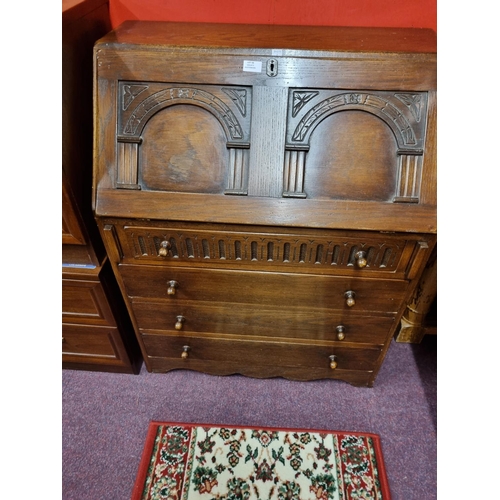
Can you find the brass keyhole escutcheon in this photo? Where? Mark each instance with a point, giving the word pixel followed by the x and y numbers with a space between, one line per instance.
pixel 272 67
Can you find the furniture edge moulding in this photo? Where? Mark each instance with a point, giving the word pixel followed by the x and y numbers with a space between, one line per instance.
pixel 266 211
pixel 384 65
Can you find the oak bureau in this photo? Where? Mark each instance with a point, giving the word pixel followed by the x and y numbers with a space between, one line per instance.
pixel 266 194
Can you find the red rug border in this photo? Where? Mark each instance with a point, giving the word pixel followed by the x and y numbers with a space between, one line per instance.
pixel 154 424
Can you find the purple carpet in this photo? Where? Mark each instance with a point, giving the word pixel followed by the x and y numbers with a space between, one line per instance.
pixel 106 417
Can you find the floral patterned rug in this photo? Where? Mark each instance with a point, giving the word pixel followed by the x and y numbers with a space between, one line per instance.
pixel 189 462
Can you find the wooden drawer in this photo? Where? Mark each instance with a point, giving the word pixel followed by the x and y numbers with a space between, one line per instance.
pixel 271 289
pixel 84 301
pixel 248 320
pixel 298 250
pixel 242 356
pixel 80 341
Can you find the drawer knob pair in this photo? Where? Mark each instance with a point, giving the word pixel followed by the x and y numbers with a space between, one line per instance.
pixel 360 259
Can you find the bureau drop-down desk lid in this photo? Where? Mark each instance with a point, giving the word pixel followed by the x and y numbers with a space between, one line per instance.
pixel 271 125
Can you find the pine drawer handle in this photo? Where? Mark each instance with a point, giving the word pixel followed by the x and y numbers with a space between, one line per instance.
pixel 360 258
pixel 333 361
pixel 350 295
pixel 180 322
pixel 340 332
pixel 164 248
pixel 185 352
pixel 172 287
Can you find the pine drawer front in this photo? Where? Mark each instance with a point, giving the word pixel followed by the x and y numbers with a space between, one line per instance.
pixel 272 289
pixel 250 321
pixel 192 351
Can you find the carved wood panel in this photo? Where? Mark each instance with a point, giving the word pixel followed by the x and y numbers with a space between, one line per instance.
pixel 144 106
pixel 404 115
pixel 326 253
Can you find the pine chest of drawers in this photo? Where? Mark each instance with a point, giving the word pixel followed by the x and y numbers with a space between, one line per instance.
pixel 267 195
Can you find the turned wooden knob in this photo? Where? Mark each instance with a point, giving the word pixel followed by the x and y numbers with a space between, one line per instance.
pixel 349 295
pixel 340 332
pixel 333 361
pixel 180 322
pixel 185 352
pixel 164 248
pixel 172 287
pixel 360 258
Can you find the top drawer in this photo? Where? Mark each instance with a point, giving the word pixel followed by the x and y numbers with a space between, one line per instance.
pixel 320 252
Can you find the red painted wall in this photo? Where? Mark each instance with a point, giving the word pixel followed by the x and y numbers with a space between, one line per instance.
pixel 381 13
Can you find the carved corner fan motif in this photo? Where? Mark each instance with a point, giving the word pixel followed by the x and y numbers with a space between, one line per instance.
pixel 130 92
pixel 139 102
pixel 404 113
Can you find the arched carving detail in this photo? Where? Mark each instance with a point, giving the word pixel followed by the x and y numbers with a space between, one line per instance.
pixel 371 103
pixel 140 101
pixel 404 114
pixel 183 95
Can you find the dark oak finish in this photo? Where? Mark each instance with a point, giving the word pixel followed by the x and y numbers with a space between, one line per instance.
pixel 96 329
pixel 287 322
pixel 235 37
pixel 420 316
pixel 271 288
pixel 266 194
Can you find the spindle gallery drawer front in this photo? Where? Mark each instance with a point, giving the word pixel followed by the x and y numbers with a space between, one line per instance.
pixel 272 289
pixel 187 351
pixel 85 340
pixel 248 320
pixel 297 250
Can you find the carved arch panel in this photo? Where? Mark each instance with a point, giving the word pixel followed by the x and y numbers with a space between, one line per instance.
pixel 404 114
pixel 143 103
